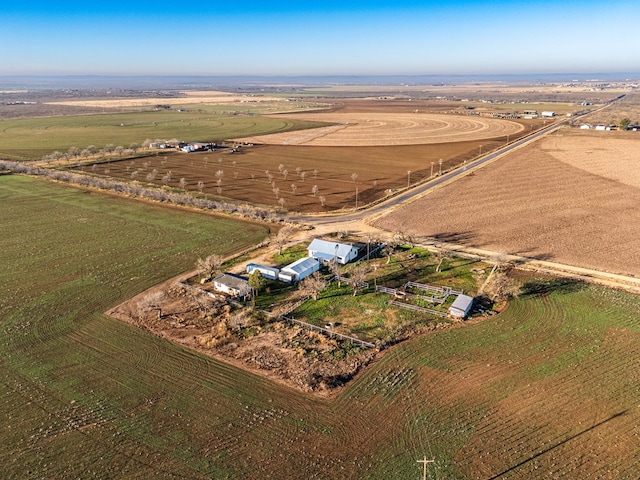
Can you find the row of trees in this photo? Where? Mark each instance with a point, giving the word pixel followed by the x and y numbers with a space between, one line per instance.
pixel 77 153
pixel 138 191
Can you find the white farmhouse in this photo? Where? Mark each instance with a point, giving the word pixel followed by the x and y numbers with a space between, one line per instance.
pixel 548 114
pixel 325 251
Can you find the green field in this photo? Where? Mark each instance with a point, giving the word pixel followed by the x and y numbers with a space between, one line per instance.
pixel 31 138
pixel 547 389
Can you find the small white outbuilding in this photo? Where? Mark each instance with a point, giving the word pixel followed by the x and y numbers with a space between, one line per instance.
pixel 461 306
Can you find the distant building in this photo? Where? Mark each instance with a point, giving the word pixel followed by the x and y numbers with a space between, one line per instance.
pixel 461 306
pixel 585 126
pixel 548 114
pixel 298 270
pixel 231 284
pixel 325 251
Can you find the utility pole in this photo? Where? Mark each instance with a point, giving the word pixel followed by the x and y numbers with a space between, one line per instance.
pixel 408 178
pixel 431 169
pixel 440 167
pixel 424 461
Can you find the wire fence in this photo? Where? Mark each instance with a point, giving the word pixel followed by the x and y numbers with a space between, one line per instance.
pixel 328 332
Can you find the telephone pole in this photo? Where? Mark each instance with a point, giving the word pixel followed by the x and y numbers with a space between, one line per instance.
pixel 424 461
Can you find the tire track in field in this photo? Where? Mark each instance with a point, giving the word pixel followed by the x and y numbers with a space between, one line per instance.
pixel 391 129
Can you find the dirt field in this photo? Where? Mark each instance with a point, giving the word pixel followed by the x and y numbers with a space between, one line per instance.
pixel 570 198
pixel 291 355
pixel 369 129
pixel 186 98
pixel 246 174
pixel 283 177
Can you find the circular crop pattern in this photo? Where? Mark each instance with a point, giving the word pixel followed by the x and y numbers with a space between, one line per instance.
pixel 370 129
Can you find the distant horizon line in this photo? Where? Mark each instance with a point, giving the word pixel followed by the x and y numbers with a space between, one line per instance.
pixel 181 80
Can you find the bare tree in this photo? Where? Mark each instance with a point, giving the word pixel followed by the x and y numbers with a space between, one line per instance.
pixel 354 177
pixel 203 302
pixel 314 190
pixel 322 199
pixel 313 285
pixel 74 152
pixel 303 175
pixel 293 188
pixel 358 277
pixel 209 266
pixel 282 237
pixel 441 256
pixel 334 266
pixel 151 301
pixel 183 183
pixel 281 202
pixel 200 185
pixel 499 286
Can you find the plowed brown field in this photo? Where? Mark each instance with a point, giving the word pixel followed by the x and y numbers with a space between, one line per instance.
pixel 382 128
pixel 571 198
pixel 385 144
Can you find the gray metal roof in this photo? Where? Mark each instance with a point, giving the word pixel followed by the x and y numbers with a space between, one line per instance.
pixel 232 281
pixel 462 303
pixel 302 265
pixel 329 248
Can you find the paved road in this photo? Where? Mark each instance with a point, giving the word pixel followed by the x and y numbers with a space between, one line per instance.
pixel 335 222
pixel 419 190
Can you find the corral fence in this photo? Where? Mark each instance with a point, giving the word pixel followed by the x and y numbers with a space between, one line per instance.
pixel 390 291
pixel 329 333
pixel 438 295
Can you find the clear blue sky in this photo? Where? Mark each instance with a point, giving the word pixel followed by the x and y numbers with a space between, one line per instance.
pixel 318 37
